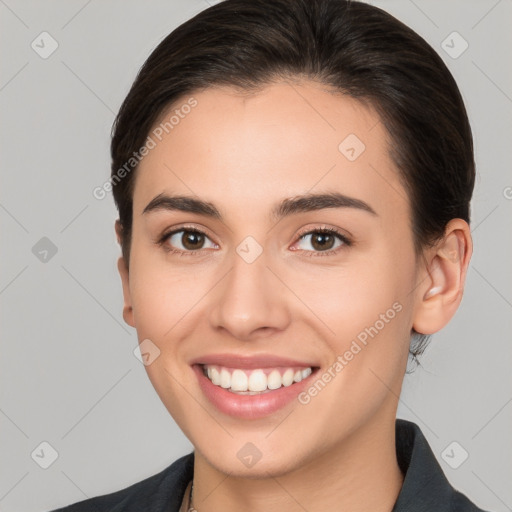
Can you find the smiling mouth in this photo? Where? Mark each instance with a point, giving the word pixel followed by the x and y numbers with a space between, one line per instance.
pixel 255 381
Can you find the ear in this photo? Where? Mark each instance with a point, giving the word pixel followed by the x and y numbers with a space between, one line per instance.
pixel 122 267
pixel 442 281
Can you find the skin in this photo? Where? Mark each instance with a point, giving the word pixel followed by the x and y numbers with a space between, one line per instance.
pixel 244 154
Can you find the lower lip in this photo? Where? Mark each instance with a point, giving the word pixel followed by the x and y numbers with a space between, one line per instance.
pixel 249 406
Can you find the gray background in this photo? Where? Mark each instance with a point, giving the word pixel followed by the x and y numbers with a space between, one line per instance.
pixel 68 373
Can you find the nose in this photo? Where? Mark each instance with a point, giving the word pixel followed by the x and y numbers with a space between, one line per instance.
pixel 250 302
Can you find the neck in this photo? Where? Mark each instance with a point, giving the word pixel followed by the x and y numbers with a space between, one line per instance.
pixel 359 474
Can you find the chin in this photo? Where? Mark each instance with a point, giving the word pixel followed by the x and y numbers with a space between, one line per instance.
pixel 261 469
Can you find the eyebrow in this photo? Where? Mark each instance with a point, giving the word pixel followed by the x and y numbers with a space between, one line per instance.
pixel 290 206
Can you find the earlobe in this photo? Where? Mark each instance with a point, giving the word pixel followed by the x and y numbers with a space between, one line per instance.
pixel 122 267
pixel 440 292
pixel 125 280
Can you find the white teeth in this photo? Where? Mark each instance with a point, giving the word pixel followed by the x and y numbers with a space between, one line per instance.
pixel 274 380
pixel 239 381
pixel 225 379
pixel 254 381
pixel 306 373
pixel 215 376
pixel 288 377
pixel 257 381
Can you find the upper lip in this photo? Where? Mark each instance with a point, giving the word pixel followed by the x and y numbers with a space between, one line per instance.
pixel 250 362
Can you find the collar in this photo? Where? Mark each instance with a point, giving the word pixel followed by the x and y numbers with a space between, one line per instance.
pixel 425 487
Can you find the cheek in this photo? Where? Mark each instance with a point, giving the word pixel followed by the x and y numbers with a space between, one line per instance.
pixel 367 309
pixel 162 289
pixel 162 298
pixel 163 301
pixel 352 297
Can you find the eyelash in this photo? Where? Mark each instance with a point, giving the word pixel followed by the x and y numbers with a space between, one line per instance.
pixel 330 231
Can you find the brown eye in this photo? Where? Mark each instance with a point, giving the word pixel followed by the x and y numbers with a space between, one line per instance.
pixel 192 240
pixel 322 242
pixel 188 240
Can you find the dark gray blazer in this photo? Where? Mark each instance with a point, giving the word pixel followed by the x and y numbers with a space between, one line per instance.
pixel 425 487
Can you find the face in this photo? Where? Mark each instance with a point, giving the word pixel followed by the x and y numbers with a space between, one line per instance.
pixel 293 254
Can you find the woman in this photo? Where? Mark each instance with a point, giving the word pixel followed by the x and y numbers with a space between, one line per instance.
pixel 293 180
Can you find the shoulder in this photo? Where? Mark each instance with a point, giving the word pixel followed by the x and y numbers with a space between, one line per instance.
pixel 160 492
pixel 425 485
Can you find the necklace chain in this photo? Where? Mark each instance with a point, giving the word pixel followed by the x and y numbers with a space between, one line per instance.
pixel 191 507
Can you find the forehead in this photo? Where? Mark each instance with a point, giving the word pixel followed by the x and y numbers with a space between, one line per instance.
pixel 246 151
